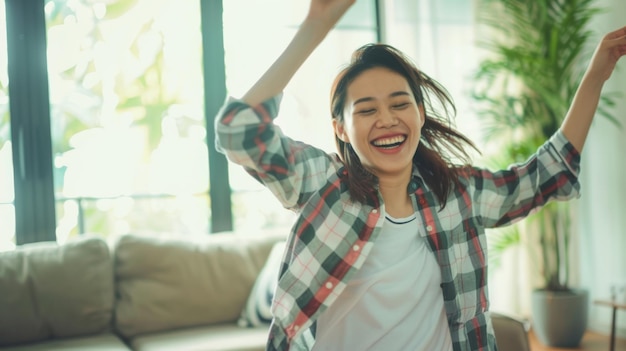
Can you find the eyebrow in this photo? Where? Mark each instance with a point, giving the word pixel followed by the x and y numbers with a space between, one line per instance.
pixel 366 99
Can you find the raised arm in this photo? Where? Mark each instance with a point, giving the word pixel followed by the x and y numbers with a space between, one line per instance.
pixel 321 18
pixel 577 122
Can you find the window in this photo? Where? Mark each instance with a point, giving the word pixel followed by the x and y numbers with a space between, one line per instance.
pixel 127 114
pixel 128 128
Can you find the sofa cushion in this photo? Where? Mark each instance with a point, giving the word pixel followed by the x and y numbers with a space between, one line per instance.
pixel 257 310
pixel 226 337
pixel 55 291
pixel 101 342
pixel 166 283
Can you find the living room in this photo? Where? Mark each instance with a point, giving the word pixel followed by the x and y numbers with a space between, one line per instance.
pixel 122 138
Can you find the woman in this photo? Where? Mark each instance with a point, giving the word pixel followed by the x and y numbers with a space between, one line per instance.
pixel 388 248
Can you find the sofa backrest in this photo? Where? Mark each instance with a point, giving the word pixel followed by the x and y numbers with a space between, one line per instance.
pixel 168 283
pixel 54 291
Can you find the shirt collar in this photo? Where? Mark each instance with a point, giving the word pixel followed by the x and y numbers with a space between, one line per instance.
pixel 417 181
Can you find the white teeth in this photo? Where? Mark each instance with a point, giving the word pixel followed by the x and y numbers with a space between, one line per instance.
pixel 389 141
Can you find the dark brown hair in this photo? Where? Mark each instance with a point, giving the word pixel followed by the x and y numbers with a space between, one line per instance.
pixel 438 140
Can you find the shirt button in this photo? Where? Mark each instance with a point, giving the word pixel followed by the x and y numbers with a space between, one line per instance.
pixel 329 285
pixel 296 327
pixel 356 247
pixel 429 228
pixel 374 211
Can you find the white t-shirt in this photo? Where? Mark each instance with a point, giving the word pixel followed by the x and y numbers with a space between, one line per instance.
pixel 394 302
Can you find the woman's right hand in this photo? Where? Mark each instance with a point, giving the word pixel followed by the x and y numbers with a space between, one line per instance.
pixel 322 17
pixel 329 11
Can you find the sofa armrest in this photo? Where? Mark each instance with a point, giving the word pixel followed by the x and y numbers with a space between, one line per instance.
pixel 511 332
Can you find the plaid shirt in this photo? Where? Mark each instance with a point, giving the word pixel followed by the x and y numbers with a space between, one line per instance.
pixel 333 236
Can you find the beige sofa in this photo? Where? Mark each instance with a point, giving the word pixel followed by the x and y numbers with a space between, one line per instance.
pixel 148 294
pixel 133 293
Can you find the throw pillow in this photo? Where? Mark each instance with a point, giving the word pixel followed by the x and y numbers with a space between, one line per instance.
pixel 163 283
pixel 257 310
pixel 50 290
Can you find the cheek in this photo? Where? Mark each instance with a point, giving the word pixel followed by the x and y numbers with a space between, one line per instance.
pixel 359 134
pixel 358 137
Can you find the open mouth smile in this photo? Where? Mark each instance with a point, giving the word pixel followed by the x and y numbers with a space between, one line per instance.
pixel 390 142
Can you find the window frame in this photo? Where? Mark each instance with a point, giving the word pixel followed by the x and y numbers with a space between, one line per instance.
pixel 29 108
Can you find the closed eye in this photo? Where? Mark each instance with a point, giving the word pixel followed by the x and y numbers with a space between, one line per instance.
pixel 401 106
pixel 366 112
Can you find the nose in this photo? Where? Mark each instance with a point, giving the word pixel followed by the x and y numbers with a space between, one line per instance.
pixel 387 119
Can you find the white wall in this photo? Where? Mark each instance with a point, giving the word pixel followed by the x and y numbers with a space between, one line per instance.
pixel 603 202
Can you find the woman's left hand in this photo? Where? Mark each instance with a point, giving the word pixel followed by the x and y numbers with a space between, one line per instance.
pixel 608 52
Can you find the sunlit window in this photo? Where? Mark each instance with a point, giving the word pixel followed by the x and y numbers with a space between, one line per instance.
pixel 252 42
pixel 7 210
pixel 128 128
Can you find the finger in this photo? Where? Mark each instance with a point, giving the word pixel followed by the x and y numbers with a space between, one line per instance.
pixel 617 33
pixel 619 41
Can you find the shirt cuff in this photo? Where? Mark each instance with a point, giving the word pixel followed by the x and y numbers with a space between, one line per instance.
pixel 234 106
pixel 565 151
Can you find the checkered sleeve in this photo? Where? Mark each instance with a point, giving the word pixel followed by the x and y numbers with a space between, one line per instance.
pixel 290 169
pixel 506 196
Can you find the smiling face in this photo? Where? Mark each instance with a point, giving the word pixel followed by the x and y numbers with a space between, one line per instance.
pixel 382 121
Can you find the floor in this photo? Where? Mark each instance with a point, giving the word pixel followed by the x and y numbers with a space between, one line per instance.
pixel 591 342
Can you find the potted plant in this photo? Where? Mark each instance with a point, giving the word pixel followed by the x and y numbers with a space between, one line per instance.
pixel 537 52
